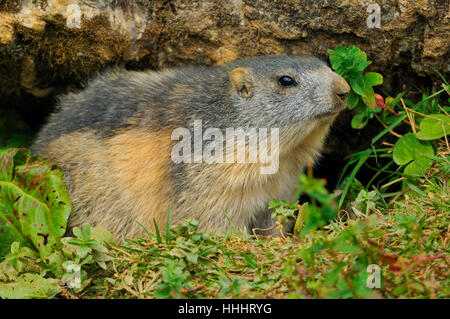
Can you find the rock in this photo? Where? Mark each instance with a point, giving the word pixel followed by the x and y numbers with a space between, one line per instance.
pixel 50 44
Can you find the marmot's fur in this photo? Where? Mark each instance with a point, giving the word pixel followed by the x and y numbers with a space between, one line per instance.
pixel 113 141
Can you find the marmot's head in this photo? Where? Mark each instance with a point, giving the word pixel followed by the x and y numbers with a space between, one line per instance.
pixel 286 91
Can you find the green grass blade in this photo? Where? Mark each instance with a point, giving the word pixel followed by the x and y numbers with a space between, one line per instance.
pixel 149 234
pixel 158 235
pixel 168 227
pixel 355 170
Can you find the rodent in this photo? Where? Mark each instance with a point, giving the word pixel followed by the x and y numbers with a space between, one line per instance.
pixel 113 141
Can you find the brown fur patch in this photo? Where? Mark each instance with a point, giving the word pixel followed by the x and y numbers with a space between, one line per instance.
pixel 115 182
pixel 141 162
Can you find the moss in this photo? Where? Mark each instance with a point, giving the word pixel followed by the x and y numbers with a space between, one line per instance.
pixel 10 5
pixel 9 70
pixel 72 54
pixel 16 5
pixel 56 59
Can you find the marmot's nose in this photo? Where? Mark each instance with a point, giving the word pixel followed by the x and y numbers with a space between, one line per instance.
pixel 340 86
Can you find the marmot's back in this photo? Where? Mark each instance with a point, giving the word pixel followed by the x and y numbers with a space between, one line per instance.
pixel 104 106
pixel 115 141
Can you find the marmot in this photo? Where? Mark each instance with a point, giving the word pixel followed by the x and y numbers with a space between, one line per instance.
pixel 114 141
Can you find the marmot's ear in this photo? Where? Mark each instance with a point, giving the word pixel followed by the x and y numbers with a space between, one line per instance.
pixel 241 82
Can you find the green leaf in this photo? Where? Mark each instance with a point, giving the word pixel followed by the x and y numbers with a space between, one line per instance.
pixel 418 167
pixel 335 61
pixel 102 236
pixel 30 286
pixel 409 150
pixel 352 99
pixel 373 78
pixel 340 50
pixel 360 61
pixel 359 121
pixel 434 127
pixel 358 85
pixel 331 52
pixel 34 204
pixel 369 99
pixel 300 221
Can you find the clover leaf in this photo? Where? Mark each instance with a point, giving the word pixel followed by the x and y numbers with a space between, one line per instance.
pixel 434 127
pixel 417 155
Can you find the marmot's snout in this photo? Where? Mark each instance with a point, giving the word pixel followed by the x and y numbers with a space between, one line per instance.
pixel 340 86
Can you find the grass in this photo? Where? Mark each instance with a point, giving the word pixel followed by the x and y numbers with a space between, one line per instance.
pixel 408 240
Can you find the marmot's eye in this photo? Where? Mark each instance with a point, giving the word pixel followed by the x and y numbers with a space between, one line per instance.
pixel 286 81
